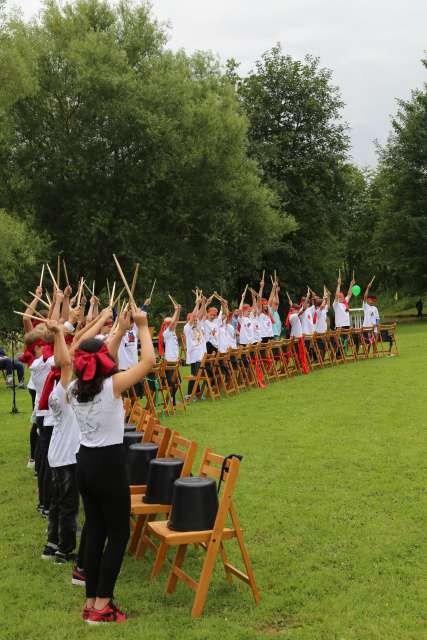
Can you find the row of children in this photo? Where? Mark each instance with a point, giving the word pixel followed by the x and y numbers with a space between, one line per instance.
pixel 80 363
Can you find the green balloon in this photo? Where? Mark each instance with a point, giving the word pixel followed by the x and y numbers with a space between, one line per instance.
pixel 356 290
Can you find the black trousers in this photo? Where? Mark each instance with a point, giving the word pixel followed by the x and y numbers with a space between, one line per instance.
pixel 103 485
pixel 210 348
pixel 194 367
pixel 171 378
pixel 64 507
pixel 44 475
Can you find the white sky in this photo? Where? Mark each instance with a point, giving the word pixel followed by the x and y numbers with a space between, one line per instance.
pixel 373 47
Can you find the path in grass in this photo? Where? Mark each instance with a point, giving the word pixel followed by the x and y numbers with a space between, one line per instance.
pixel 332 497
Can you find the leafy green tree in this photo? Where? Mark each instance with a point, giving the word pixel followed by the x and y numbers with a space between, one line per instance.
pixel 400 197
pixel 22 252
pixel 297 136
pixel 122 146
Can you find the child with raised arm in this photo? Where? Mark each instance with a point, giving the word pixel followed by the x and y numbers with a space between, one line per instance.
pixel 169 348
pixel 95 397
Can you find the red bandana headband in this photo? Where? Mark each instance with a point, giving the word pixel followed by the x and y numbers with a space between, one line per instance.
pixel 29 356
pixel 86 363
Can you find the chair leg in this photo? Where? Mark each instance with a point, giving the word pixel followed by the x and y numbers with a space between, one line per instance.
pixel 224 559
pixel 205 579
pixel 136 534
pixel 177 562
pixel 141 546
pixel 160 560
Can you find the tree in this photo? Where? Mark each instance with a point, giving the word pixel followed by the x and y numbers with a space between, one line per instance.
pixel 20 257
pixel 400 197
pixel 121 146
pixel 297 136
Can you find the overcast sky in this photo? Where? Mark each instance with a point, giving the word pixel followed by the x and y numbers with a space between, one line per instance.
pixel 373 47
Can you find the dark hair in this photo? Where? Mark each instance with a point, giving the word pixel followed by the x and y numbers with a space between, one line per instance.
pixel 86 390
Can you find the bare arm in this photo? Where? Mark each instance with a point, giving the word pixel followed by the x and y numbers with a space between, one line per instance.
pixel 125 379
pixel 365 297
pixel 92 329
pixel 175 317
pixel 61 353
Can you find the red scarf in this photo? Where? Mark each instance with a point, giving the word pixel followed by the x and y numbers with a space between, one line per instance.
pixel 47 351
pixel 161 343
pixel 86 363
pixel 303 356
pixel 53 376
pixel 29 356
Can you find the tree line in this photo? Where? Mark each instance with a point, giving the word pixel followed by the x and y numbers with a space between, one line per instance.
pixel 110 142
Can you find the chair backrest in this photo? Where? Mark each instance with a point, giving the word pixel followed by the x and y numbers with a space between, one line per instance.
pixel 127 406
pixel 183 449
pixel 213 466
pixel 157 434
pixel 136 413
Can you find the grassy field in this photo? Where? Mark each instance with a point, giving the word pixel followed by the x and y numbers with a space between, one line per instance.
pixel 332 497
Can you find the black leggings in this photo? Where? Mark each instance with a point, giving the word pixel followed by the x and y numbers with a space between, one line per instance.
pixel 44 473
pixel 64 507
pixel 103 485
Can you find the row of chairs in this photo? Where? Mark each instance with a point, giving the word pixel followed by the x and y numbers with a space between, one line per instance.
pixel 259 364
pixel 150 534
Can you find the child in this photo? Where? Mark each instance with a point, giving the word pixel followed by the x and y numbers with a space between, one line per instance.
pixel 169 349
pixel 95 397
pixel 195 341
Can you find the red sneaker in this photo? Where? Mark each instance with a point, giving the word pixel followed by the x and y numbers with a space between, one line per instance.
pixel 86 612
pixel 78 577
pixel 110 613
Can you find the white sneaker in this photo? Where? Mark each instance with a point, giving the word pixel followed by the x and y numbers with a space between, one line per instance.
pixel 9 381
pixel 187 398
pixel 30 463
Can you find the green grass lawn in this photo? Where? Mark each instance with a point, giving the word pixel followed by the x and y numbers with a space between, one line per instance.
pixel 331 495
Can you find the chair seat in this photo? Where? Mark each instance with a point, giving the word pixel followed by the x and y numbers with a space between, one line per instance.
pixel 162 531
pixel 137 490
pixel 147 509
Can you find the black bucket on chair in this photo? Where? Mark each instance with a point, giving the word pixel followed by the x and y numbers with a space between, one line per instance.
pixel 139 458
pixel 130 438
pixel 161 476
pixel 194 504
pixel 130 428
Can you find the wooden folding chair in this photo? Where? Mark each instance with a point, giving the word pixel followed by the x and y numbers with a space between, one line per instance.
pixel 348 345
pixel 387 335
pixel 204 380
pixel 266 357
pixel 178 447
pixel 314 356
pixel 290 349
pixel 136 414
pixel 172 368
pixel 280 359
pixel 127 406
pixel 216 467
pixel 223 374
pixel 238 368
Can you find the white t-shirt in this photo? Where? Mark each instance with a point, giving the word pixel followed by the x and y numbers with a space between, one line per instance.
pixel 227 338
pixel 101 421
pixel 171 346
pixel 256 328
pixel 342 316
pixel 321 320
pixel 307 322
pixel 65 441
pixel 370 315
pixel 128 349
pixel 39 371
pixel 30 384
pixel 195 342
pixel 212 331
pixel 296 327
pixel 246 332
pixel 266 326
